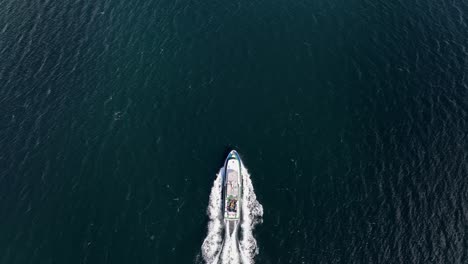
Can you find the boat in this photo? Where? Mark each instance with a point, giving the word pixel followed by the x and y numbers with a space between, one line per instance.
pixel 232 192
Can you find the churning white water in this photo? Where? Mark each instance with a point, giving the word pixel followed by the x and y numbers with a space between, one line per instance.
pixel 220 248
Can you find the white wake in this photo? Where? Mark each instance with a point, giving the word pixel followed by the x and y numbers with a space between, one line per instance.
pixel 219 248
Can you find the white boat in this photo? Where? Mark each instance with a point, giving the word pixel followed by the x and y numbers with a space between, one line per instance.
pixel 232 192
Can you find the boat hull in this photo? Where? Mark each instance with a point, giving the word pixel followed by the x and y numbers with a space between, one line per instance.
pixel 232 191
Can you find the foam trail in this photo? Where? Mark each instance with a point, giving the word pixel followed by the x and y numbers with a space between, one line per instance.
pixel 252 213
pixel 230 253
pixel 213 242
pixel 219 248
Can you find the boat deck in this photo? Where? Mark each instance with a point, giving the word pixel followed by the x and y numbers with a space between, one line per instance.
pixel 232 183
pixel 233 190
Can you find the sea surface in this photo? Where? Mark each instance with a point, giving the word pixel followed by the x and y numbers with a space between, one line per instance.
pixel 351 117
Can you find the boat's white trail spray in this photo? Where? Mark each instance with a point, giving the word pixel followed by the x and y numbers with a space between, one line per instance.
pixel 218 247
pixel 211 247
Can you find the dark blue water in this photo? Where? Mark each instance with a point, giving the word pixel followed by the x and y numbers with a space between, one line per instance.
pixel 351 116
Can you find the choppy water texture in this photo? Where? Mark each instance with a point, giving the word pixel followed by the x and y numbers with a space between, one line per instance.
pixel 116 115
